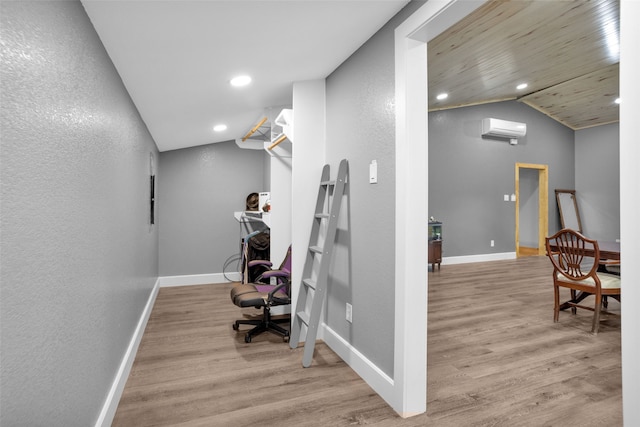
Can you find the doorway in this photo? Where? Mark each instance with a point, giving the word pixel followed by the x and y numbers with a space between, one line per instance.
pixel 531 180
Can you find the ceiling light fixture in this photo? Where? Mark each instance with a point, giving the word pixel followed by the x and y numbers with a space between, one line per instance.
pixel 522 86
pixel 219 128
pixel 442 96
pixel 240 81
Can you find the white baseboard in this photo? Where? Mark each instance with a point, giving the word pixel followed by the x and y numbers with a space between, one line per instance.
pixel 380 382
pixel 478 258
pixel 113 398
pixel 198 279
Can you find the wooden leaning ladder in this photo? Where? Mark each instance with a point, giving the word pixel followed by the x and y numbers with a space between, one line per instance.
pixel 312 291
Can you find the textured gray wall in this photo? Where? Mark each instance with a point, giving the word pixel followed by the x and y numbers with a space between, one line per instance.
pixel 361 128
pixel 598 181
pixel 198 191
pixel 469 175
pixel 79 258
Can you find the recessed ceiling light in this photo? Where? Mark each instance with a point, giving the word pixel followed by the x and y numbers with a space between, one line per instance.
pixel 522 86
pixel 442 96
pixel 240 81
pixel 617 101
pixel 219 128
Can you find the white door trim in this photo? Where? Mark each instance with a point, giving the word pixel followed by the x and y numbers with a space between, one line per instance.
pixel 410 346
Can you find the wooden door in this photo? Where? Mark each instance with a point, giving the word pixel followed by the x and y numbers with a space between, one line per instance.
pixel 543 208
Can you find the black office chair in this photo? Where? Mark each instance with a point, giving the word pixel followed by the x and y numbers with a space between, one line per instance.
pixel 262 294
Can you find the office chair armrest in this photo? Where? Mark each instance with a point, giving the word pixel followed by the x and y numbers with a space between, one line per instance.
pixel 259 262
pixel 272 294
pixel 274 273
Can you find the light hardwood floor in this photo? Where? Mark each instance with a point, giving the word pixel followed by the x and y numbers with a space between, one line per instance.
pixel 495 358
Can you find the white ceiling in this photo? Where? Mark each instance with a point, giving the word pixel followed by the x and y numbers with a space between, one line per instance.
pixel 176 57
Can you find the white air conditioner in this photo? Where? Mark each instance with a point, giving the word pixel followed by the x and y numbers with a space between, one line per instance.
pixel 504 129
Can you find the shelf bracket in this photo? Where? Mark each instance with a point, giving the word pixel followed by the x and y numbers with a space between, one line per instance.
pixel 276 142
pixel 254 129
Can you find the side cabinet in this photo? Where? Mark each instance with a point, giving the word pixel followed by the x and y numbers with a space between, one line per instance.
pixel 435 245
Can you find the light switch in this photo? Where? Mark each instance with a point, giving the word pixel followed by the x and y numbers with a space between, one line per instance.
pixel 513 197
pixel 373 172
pixel 506 197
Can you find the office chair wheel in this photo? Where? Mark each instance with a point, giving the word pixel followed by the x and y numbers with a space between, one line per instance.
pixel 235 326
pixel 285 338
pixel 247 338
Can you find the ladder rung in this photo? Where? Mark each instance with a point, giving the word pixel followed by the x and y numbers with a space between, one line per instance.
pixel 304 317
pixel 316 249
pixel 310 283
pixel 328 183
pixel 322 215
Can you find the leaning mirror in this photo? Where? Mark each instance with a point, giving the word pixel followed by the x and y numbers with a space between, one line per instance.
pixel 568 207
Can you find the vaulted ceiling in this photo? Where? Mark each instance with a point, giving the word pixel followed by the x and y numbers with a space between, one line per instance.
pixel 566 51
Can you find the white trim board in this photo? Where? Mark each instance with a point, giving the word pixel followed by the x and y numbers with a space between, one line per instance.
pixel 198 279
pixel 465 259
pixel 629 206
pixel 367 370
pixel 113 398
pixel 410 346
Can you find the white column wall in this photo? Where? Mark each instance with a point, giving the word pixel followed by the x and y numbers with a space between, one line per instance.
pixel 309 125
pixel 629 207
pixel 281 202
pixel 410 352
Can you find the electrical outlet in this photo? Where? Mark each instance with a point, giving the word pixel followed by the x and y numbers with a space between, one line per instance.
pixel 349 313
pixel 493 243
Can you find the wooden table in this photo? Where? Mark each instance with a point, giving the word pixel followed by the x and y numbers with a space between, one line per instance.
pixel 608 250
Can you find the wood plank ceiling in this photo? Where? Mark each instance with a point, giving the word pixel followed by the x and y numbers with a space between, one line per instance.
pixel 566 51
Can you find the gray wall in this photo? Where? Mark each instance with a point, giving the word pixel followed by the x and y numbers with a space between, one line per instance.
pixel 198 191
pixel 469 175
pixel 361 128
pixel 79 257
pixel 598 181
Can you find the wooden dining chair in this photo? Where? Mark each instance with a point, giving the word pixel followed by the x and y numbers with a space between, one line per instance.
pixel 575 260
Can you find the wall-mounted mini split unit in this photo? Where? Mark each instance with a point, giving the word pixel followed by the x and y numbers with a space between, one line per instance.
pixel 497 128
